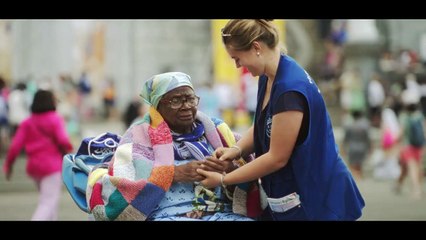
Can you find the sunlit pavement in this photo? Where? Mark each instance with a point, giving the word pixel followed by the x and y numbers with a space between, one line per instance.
pixel 381 204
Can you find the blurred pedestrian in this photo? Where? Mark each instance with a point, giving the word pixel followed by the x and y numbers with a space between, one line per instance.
pixel 357 143
pixel 411 154
pixel 109 97
pixel 135 110
pixel 19 107
pixel 45 140
pixel 4 114
pixel 385 158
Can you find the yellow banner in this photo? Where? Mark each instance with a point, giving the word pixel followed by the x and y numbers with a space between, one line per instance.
pixel 224 69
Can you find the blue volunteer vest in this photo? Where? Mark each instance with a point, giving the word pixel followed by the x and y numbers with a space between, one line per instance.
pixel 315 170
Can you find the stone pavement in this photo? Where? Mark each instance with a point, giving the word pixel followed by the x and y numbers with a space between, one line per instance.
pixel 18 198
pixel 381 204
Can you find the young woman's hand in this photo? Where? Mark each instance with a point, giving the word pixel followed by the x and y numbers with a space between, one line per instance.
pixel 226 154
pixel 212 179
pixel 216 165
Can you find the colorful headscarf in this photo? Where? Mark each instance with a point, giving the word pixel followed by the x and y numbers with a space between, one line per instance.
pixel 158 85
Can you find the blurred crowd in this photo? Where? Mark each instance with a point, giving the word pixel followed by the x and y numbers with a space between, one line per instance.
pixel 375 110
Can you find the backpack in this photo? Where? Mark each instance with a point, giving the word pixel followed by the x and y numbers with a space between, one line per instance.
pixel 416 135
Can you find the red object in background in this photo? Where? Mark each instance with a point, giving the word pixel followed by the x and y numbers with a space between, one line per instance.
pixel 245 74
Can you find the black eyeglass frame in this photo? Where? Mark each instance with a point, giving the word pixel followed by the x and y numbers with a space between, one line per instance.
pixel 182 100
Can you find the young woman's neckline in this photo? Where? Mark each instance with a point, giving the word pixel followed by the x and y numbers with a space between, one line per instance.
pixel 282 55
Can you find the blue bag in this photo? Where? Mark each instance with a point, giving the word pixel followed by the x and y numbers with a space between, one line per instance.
pixel 99 146
pixel 94 152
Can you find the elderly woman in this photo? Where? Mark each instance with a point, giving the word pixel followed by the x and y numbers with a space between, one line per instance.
pixel 152 175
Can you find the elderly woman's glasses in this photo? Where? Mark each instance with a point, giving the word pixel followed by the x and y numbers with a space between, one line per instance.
pixel 177 102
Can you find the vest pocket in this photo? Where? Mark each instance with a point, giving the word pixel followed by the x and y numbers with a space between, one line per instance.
pixel 282 186
pixel 295 214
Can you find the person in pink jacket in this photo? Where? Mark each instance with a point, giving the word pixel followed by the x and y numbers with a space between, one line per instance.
pixel 45 140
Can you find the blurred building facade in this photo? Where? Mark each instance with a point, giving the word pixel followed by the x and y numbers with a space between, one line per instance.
pixel 130 51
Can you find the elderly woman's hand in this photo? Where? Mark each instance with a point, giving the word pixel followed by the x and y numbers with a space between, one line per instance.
pixel 187 172
pixel 216 165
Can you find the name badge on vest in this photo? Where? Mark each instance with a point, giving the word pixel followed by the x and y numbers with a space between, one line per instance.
pixel 285 203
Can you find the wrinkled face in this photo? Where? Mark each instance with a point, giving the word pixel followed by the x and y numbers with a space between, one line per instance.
pixel 248 59
pixel 179 118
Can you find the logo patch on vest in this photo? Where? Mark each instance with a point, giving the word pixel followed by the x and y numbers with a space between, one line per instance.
pixel 268 126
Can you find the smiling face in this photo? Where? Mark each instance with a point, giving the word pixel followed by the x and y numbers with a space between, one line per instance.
pixel 249 59
pixel 180 120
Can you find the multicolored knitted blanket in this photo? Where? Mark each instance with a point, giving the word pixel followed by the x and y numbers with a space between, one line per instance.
pixel 142 169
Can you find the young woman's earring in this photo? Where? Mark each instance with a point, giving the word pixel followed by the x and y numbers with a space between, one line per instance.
pixel 258 54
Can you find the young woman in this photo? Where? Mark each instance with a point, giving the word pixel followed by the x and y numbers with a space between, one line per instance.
pixel 297 160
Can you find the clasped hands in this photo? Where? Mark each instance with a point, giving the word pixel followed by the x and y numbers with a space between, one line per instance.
pixel 188 172
pixel 208 171
pixel 219 162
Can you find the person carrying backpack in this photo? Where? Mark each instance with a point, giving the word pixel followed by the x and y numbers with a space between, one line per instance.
pixel 413 140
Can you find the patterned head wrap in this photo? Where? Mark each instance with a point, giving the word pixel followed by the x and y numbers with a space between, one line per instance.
pixel 158 85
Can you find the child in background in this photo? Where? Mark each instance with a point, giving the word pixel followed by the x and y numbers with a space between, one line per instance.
pixel 385 159
pixel 44 137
